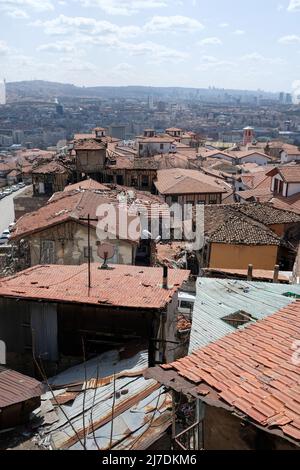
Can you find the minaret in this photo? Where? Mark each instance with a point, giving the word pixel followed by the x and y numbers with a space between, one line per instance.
pixel 248 135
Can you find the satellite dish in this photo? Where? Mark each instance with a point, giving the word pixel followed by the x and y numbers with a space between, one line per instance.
pixel 105 251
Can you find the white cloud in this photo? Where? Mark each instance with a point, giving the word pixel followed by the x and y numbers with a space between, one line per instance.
pixel 65 25
pixel 224 25
pixel 17 14
pixel 212 41
pixel 258 58
pixel 239 32
pixel 211 62
pixel 294 5
pixel 21 8
pixel 4 48
pixel 59 46
pixel 124 7
pixel 290 39
pixel 176 23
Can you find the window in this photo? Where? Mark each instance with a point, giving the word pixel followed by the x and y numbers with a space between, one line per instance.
pixel 145 181
pixel 134 181
pixel 238 318
pixel 174 198
pixel 47 252
pixel 213 199
pixel 187 305
pixel 161 146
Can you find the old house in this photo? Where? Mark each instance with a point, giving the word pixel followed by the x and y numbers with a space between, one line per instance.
pixel 285 180
pixel 290 153
pixel 151 144
pixel 5 169
pixel 59 233
pixel 239 392
pixel 90 157
pixel 138 173
pixel 189 187
pixel 48 311
pixel 251 156
pixel 241 234
pixel 19 396
pixel 49 178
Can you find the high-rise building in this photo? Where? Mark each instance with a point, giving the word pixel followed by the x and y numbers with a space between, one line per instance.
pixel 282 97
pixel 2 92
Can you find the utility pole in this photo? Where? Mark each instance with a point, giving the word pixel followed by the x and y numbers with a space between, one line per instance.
pixel 89 220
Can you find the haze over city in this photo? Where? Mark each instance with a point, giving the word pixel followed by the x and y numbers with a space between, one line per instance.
pixel 191 43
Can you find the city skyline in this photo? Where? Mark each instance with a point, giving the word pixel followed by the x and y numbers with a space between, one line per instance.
pixel 152 43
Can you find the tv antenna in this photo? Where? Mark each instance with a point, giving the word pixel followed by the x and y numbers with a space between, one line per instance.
pixel 105 251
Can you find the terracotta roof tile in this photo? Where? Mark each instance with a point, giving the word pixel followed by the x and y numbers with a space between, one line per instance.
pixel 269 391
pixel 181 181
pixel 137 287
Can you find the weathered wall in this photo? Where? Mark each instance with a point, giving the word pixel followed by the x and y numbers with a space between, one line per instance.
pixel 27 203
pixel 70 243
pixel 224 431
pixel 90 161
pixel 240 256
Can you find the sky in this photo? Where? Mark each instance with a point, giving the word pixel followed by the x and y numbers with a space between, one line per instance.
pixel 192 43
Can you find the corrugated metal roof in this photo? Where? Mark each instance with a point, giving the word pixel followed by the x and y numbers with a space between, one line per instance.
pixel 107 364
pixel 217 298
pixel 16 387
pixel 139 404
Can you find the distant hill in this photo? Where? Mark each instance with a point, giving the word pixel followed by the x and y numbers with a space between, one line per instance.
pixel 39 89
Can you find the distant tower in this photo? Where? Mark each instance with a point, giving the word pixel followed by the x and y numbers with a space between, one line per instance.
pixel 3 92
pixel 150 102
pixel 248 135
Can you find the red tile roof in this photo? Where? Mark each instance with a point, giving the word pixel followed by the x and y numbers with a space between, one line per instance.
pixel 291 203
pixel 87 184
pixel 89 144
pixel 74 205
pixel 16 387
pixel 181 181
pixel 289 173
pixel 122 286
pixel 252 371
pixel 51 167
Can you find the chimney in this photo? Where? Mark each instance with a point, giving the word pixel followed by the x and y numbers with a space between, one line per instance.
pixel 165 277
pixel 276 274
pixel 250 272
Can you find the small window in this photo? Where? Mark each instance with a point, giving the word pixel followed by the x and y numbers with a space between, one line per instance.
pixel 186 304
pixel 161 146
pixel 141 146
pixel 145 181
pixel 174 198
pixel 238 318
